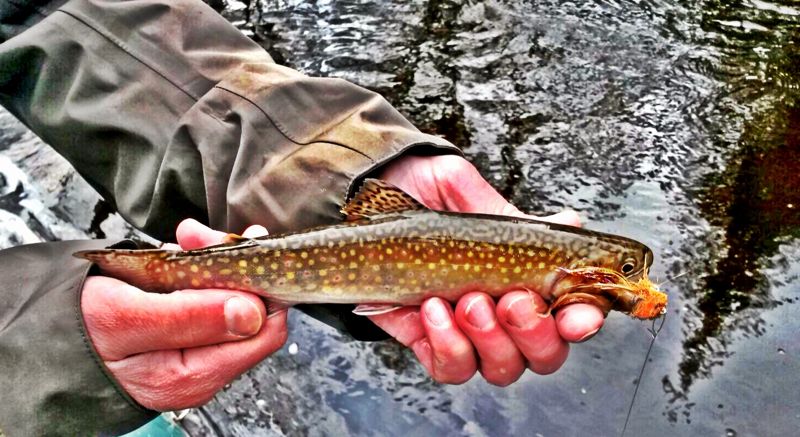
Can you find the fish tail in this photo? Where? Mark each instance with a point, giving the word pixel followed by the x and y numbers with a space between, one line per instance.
pixel 131 266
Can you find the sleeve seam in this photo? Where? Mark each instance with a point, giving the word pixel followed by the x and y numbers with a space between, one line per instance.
pixel 92 25
pixel 282 129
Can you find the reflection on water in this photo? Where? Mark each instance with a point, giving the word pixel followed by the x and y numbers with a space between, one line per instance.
pixel 755 198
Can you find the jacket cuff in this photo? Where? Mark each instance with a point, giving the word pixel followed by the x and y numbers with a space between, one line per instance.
pixel 53 380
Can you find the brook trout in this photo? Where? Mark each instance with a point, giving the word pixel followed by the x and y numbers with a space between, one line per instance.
pixel 392 251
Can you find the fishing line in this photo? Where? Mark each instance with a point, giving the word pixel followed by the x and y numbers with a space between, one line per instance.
pixel 654 333
pixel 667 281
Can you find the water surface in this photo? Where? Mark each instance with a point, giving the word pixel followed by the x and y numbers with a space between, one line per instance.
pixel 675 123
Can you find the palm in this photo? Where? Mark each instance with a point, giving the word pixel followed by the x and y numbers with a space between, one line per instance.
pixel 510 336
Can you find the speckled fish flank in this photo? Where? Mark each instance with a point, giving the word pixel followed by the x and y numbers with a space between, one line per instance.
pixel 393 251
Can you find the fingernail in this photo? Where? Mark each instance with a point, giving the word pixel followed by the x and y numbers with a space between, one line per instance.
pixel 437 314
pixel 242 317
pixel 479 313
pixel 588 336
pixel 522 312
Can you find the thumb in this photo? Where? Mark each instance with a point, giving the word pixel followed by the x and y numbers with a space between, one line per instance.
pixel 123 320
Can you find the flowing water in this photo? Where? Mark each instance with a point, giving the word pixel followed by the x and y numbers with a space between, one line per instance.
pixel 673 122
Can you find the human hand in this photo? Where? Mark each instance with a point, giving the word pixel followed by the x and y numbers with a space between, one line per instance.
pixel 509 336
pixel 175 351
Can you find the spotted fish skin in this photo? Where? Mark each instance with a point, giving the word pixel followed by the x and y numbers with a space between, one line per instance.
pixel 400 258
pixel 394 251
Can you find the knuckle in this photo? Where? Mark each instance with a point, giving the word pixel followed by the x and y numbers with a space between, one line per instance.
pixel 458 351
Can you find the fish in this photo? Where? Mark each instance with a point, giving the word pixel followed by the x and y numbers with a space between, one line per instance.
pixel 391 251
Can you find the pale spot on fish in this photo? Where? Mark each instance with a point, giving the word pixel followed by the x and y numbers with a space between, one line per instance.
pixel 194 268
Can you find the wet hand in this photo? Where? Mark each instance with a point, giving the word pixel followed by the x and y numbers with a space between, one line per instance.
pixel 175 351
pixel 499 340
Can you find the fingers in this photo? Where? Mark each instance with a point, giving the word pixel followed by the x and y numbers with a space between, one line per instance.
pixel 524 317
pixel 403 324
pixel 579 322
pixel 451 359
pixel 173 380
pixel 565 217
pixel 123 320
pixel 501 363
pixel 515 334
pixel 192 234
pixel 431 332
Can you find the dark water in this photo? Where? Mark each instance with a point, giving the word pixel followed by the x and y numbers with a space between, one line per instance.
pixel 676 123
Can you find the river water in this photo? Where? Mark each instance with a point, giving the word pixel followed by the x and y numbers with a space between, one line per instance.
pixel 673 122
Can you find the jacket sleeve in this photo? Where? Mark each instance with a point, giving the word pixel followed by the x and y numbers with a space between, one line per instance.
pixel 53 382
pixel 170 112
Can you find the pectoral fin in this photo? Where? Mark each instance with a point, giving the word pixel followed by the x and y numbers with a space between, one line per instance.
pixel 374 309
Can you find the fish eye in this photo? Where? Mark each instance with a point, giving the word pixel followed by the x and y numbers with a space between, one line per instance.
pixel 628 267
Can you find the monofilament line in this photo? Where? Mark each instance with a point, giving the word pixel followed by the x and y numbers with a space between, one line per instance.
pixel 654 333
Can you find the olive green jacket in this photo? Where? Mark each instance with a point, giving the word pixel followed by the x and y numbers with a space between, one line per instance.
pixel 169 112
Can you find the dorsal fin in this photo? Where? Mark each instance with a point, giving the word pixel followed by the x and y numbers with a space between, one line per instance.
pixel 377 197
